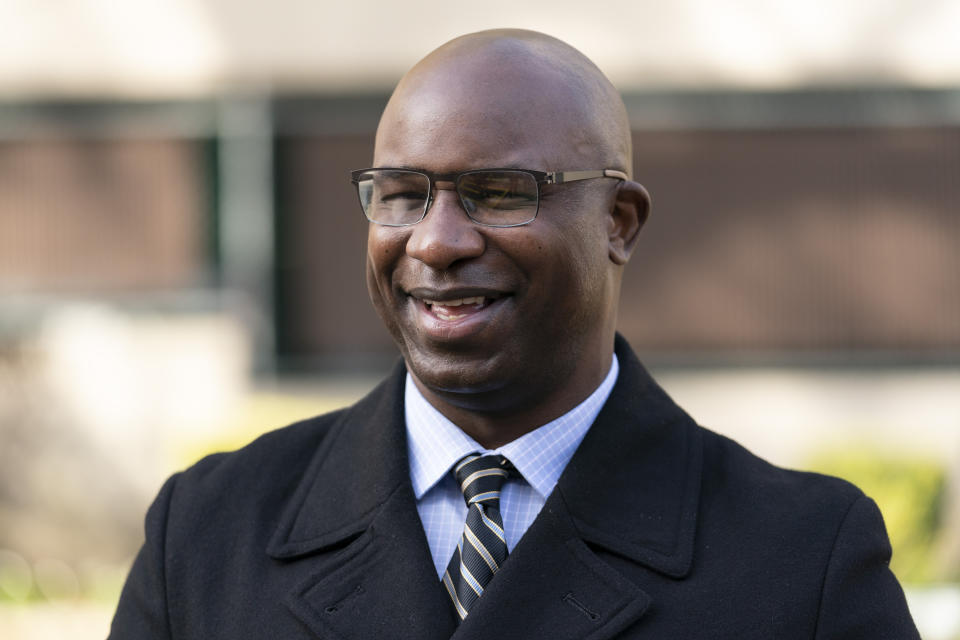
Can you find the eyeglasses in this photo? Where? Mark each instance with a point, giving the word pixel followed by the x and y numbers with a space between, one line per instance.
pixel 490 197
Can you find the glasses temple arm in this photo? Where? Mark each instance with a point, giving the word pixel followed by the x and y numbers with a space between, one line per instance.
pixel 559 177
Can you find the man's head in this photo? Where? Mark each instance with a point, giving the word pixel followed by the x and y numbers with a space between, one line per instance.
pixel 527 331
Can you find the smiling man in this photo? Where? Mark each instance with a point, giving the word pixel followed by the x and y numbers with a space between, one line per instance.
pixel 504 308
pixel 519 475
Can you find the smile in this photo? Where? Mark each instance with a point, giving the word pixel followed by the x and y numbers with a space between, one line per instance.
pixel 456 313
pixel 456 308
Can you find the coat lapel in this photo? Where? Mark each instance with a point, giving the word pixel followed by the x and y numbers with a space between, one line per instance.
pixel 633 486
pixel 353 525
pixel 631 489
pixel 554 586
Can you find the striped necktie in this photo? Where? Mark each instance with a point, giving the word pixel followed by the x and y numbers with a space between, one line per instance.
pixel 482 547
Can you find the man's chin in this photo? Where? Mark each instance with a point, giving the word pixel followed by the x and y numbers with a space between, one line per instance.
pixel 463 379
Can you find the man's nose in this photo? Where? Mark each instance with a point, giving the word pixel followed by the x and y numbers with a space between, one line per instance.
pixel 446 235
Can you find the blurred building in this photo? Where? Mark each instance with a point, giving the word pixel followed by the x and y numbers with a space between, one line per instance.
pixel 176 215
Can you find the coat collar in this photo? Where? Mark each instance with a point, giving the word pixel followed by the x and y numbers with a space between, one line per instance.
pixel 631 488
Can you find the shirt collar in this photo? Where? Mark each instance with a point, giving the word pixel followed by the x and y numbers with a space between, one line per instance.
pixel 434 443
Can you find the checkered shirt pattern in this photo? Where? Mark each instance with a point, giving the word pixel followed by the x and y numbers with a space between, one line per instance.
pixel 435 444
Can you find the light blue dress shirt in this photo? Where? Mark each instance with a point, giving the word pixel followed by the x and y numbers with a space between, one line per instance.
pixel 435 444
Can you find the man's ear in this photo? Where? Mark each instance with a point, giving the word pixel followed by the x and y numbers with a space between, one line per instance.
pixel 630 211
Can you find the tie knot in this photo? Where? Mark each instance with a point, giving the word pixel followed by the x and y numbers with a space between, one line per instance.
pixel 480 477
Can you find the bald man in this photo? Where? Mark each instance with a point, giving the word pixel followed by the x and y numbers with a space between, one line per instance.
pixel 519 475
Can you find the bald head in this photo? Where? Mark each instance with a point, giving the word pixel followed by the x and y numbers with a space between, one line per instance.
pixel 509 83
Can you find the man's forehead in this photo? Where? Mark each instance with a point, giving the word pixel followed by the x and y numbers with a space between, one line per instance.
pixel 440 137
pixel 511 103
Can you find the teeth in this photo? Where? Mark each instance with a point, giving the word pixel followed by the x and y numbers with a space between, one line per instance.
pixel 477 300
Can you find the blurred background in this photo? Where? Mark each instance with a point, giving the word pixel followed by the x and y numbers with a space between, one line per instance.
pixel 181 253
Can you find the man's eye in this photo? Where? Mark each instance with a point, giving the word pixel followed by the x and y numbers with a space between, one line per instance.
pixel 402 195
pixel 501 199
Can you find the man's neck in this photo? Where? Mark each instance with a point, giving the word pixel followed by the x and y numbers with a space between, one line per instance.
pixel 496 427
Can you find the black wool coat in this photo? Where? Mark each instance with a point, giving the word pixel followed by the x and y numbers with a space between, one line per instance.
pixel 657 529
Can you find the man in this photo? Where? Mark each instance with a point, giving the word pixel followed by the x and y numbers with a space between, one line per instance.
pixel 502 213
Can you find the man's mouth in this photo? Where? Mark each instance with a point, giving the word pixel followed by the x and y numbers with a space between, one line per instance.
pixel 457 313
pixel 456 308
pixel 463 307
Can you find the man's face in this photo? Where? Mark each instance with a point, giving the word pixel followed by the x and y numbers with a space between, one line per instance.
pixel 492 317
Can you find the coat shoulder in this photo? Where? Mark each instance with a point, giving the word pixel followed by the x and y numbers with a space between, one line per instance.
pixel 275 463
pixel 252 484
pixel 734 476
pixel 812 545
pixel 284 451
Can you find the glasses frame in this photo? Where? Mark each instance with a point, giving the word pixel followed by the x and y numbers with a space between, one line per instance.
pixel 541 178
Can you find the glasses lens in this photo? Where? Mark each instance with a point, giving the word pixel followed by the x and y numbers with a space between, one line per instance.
pixel 393 197
pixel 499 198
